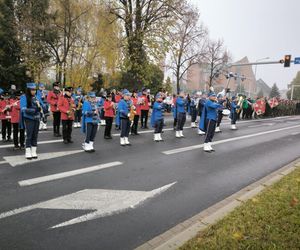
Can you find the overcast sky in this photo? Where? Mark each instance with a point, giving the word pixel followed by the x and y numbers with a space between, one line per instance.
pixel 257 29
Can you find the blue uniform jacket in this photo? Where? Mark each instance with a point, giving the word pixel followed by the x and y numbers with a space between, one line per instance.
pixel 209 112
pixel 157 113
pixel 88 114
pixel 233 107
pixel 181 105
pixel 32 112
pixel 124 108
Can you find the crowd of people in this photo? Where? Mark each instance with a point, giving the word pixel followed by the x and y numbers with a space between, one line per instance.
pixel 27 113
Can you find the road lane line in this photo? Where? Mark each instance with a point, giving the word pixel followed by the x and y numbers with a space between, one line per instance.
pixel 39 143
pixel 2 162
pixel 180 150
pixel 33 181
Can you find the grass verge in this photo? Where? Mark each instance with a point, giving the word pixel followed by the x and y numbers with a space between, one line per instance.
pixel 271 220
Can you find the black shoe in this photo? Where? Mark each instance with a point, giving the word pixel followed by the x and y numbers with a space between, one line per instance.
pixel 58 135
pixel 107 137
pixel 16 148
pixel 22 147
pixel 70 141
pixel 9 139
pixel 146 127
pixel 136 133
pixel 66 141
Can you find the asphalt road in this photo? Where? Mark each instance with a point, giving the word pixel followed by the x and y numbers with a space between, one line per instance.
pixel 148 188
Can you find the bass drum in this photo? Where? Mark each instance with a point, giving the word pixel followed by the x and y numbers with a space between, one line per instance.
pixel 226 112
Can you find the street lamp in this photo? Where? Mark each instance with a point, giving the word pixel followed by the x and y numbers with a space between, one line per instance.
pixel 266 58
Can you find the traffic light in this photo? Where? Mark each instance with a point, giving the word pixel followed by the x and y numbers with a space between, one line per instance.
pixel 287 61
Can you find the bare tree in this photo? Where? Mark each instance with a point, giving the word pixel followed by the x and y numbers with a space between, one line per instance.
pixel 188 41
pixel 216 57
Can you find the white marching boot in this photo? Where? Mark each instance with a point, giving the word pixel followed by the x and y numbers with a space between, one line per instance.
pixel 193 125
pixel 159 137
pixel 156 137
pixel 91 144
pixel 86 147
pixel 178 134
pixel 122 141
pixel 127 141
pixel 41 125
pixel 233 127
pixel 28 154
pixel 217 130
pixel 211 148
pixel 200 132
pixel 75 125
pixel 45 126
pixel 206 147
pixel 78 125
pixel 33 152
pixel 103 123
pixel 181 133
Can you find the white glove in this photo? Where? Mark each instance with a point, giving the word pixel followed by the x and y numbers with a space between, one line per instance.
pixel 128 115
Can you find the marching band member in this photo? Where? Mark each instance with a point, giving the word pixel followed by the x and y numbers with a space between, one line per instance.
pixel 181 114
pixel 90 120
pixel 52 99
pixel 200 107
pixel 193 111
pixel 145 98
pixel 233 113
pixel 208 120
pixel 221 100
pixel 109 113
pixel 157 117
pixel 5 116
pixel 67 109
pixel 124 107
pixel 41 93
pixel 78 100
pixel 174 111
pixel 118 98
pixel 31 107
pixel 15 120
pixel 101 109
pixel 136 100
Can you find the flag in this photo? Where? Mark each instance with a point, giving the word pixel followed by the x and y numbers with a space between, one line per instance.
pixel 273 102
pixel 260 107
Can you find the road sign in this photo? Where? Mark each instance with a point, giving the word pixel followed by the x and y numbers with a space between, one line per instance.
pixel 297 60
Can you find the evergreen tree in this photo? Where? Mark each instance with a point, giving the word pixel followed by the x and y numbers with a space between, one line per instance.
pixel 274 91
pixel 168 86
pixel 11 69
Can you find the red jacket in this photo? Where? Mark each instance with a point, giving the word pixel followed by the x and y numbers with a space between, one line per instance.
pixel 4 113
pixel 64 107
pixel 137 105
pixel 52 99
pixel 145 106
pixel 109 110
pixel 15 112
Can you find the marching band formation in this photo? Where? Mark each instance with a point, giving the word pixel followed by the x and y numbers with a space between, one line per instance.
pixel 27 113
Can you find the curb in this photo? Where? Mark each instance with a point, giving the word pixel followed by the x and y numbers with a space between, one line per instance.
pixel 180 234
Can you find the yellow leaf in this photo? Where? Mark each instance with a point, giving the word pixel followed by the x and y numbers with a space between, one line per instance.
pixel 238 236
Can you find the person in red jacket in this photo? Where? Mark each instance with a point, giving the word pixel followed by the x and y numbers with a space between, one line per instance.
pixel 136 100
pixel 5 116
pixel 15 120
pixel 52 99
pixel 109 113
pixel 67 108
pixel 144 108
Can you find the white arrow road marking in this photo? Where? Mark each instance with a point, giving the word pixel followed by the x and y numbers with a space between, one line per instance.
pixel 2 162
pixel 103 202
pixel 261 125
pixel 180 150
pixel 52 177
pixel 21 160
pixel 39 143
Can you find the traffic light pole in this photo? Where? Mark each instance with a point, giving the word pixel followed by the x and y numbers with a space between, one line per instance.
pixel 255 63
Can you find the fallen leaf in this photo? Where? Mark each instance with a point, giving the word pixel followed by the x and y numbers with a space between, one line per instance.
pixel 254 200
pixel 294 202
pixel 238 236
